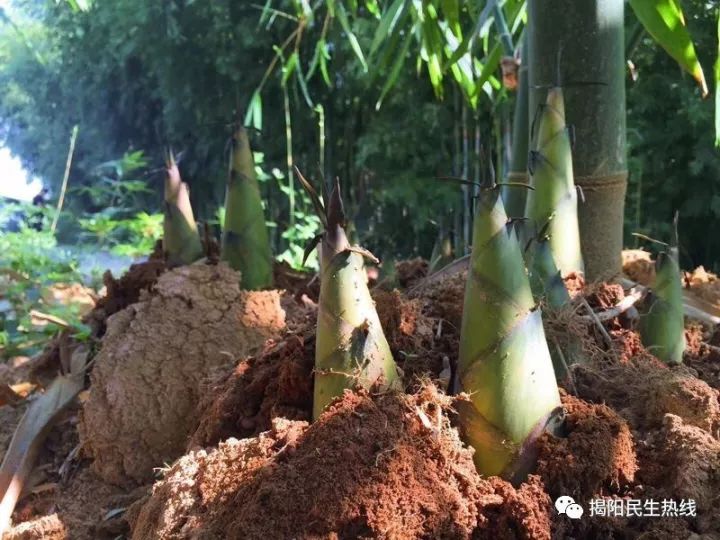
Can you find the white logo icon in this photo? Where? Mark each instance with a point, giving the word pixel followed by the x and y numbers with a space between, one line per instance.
pixel 567 505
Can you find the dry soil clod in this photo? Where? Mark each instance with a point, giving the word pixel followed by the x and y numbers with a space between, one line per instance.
pixel 154 360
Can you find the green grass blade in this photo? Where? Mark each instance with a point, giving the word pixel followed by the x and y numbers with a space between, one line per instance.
pixel 354 43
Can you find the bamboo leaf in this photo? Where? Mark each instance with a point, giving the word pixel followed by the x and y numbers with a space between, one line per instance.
pixel 467 44
pixel 354 44
pixel 664 21
pixel 395 71
pixel 373 8
pixel 388 22
pixel 265 15
pixel 289 67
pixel 303 84
pixel 491 65
pixel 451 10
pixel 254 115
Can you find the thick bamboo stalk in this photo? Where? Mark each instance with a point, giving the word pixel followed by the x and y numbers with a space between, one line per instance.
pixel 245 241
pixel 181 239
pixel 588 38
pixel 513 195
pixel 504 365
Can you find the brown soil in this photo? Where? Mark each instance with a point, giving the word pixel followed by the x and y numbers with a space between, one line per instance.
pixel 574 283
pixel 368 468
pixel 295 282
pixel 703 356
pixel 639 266
pixel 602 296
pixel 275 384
pixel 683 461
pixel 155 357
pixel 86 508
pixel 705 285
pixel 444 299
pixel 9 417
pixel 62 498
pixel 591 430
pixel 373 466
pixel 410 272
pixel 416 337
pixel 120 293
pixel 645 391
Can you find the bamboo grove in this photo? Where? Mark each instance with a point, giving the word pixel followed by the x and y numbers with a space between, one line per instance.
pixel 505 373
pixel 505 369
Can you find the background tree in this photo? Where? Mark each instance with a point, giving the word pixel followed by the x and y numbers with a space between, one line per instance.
pixel 143 75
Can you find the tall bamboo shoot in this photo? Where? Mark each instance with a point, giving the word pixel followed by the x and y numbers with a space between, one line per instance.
pixel 351 349
pixel 504 364
pixel 245 241
pixel 552 204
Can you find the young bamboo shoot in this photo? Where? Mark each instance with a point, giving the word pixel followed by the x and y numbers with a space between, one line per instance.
pixel 504 365
pixel 181 239
pixel 552 204
pixel 351 349
pixel 662 325
pixel 545 279
pixel 245 241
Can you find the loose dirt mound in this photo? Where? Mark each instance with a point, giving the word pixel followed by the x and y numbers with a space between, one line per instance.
pixel 120 293
pixel 416 339
pixel 596 454
pixel 369 468
pixel 155 357
pixel 411 271
pixel 644 391
pixel 275 384
pixel 683 463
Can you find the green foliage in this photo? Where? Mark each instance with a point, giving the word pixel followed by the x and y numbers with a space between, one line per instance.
pixel 115 193
pixel 137 74
pixel 130 237
pixel 30 262
pixel 672 160
pixel 664 21
pixel 146 75
pixel 307 225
